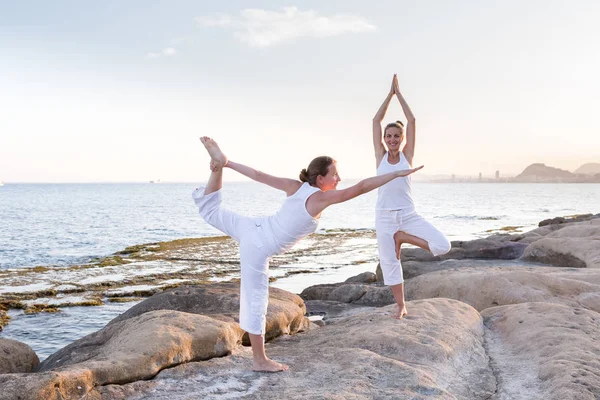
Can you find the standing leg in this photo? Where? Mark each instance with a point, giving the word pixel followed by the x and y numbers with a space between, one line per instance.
pixel 254 299
pixel 386 225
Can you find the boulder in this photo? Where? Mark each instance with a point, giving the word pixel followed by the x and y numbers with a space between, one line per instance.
pixel 365 277
pixel 575 245
pixel 16 357
pixel 285 314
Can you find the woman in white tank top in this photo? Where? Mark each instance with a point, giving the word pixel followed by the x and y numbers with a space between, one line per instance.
pixel 260 238
pixel 397 221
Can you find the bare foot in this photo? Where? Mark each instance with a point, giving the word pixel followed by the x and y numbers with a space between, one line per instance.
pixel 398 240
pixel 217 156
pixel 399 312
pixel 269 365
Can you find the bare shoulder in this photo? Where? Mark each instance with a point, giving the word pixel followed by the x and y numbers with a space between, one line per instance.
pixel 293 187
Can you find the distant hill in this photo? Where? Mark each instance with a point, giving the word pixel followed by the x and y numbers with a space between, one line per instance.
pixel 540 172
pixel 588 169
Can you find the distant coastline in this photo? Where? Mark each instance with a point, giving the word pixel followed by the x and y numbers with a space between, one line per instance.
pixel 534 173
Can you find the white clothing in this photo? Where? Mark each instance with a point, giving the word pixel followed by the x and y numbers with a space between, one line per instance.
pixel 395 211
pixel 292 222
pixel 259 238
pixel 387 223
pixel 396 194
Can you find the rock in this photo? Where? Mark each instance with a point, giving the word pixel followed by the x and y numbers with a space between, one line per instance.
pixel 437 352
pixel 319 292
pixel 379 273
pixel 126 351
pixel 497 247
pixel 152 336
pixel 575 245
pixel 16 357
pixel 366 295
pixel 347 293
pixel 377 296
pixel 544 351
pixel 333 310
pixel 47 386
pixel 139 347
pixel 488 287
pixel 221 301
pixel 365 277
pixel 563 220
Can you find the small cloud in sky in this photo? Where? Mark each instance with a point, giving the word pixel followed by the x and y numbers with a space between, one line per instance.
pixel 262 28
pixel 169 51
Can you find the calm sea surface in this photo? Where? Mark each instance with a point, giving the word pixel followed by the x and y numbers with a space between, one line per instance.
pixel 63 224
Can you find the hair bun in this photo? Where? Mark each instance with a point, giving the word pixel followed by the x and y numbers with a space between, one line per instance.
pixel 304 175
pixel 401 123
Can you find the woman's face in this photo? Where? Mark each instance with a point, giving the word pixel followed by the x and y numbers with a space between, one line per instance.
pixel 331 180
pixel 393 138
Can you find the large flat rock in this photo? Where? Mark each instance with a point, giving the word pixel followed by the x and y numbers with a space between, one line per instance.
pixel 544 351
pixel 437 352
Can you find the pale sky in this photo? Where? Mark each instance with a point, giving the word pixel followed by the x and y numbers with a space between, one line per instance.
pixel 116 91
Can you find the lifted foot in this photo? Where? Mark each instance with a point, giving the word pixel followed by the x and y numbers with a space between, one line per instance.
pixel 218 159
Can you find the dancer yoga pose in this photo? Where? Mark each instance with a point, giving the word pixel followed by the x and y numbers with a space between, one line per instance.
pixel 261 237
pixel 396 220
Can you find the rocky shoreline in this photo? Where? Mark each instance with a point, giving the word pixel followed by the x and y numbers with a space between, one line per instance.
pixel 511 316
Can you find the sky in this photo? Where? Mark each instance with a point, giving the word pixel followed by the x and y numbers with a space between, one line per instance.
pixel 118 91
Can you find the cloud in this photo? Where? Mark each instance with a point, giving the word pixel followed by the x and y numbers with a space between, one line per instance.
pixel 261 28
pixel 169 51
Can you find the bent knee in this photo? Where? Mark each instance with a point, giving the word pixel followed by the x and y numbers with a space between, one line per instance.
pixel 440 247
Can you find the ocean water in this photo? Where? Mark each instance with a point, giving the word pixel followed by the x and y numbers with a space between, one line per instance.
pixel 68 224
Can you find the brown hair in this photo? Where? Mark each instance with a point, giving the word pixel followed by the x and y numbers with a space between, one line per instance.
pixel 397 124
pixel 318 166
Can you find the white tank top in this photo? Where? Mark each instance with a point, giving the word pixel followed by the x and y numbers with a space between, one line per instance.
pixel 292 222
pixel 396 194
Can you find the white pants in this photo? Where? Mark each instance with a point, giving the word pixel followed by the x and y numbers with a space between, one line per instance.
pixel 387 223
pixel 254 257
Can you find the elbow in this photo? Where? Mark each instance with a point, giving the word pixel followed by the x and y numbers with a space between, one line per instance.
pixel 411 119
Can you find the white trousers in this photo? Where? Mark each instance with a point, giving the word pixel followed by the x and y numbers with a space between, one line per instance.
pixel 387 223
pixel 254 257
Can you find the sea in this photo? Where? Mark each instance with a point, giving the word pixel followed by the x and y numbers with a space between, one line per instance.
pixel 57 225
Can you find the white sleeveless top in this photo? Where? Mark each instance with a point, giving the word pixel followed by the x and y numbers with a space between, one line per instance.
pixel 292 222
pixel 396 194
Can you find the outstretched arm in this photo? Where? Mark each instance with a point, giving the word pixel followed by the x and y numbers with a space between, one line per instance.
pixel 289 186
pixel 324 199
pixel 377 130
pixel 409 147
